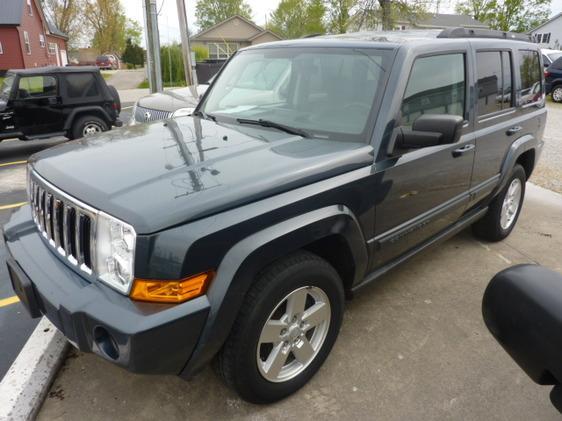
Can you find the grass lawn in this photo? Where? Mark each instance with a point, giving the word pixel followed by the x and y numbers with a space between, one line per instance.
pixel 144 84
pixel 1 80
pixel 550 102
pixel 106 75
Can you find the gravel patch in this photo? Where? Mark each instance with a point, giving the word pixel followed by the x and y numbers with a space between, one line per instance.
pixel 548 173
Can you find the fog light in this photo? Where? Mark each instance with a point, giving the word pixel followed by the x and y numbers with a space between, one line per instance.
pixel 170 291
pixel 106 343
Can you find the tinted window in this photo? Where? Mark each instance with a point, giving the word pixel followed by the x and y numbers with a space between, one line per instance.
pixel 530 68
pixel 494 81
pixel 36 86
pixel 81 85
pixel 557 64
pixel 436 86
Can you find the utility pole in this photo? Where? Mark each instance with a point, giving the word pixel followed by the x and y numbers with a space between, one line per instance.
pixel 190 75
pixel 152 45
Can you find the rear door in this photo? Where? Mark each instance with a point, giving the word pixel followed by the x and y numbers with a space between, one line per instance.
pixel 426 190
pixel 38 106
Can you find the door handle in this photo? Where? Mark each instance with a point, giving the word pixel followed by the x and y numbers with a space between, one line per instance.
pixel 513 130
pixel 462 150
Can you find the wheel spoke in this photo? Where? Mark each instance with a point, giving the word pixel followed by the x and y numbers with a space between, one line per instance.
pixel 296 303
pixel 272 331
pixel 276 360
pixel 303 351
pixel 316 314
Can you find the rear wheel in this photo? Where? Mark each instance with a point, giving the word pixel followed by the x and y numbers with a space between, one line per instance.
pixel 87 126
pixel 504 210
pixel 557 93
pixel 286 328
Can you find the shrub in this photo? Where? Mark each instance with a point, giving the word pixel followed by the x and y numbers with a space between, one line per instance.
pixel 201 53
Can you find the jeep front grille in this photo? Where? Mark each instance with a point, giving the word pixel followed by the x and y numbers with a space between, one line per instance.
pixel 143 115
pixel 68 225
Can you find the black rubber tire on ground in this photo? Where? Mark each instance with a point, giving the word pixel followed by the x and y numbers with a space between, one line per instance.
pixel 237 364
pixel 557 94
pixel 489 227
pixel 115 95
pixel 81 122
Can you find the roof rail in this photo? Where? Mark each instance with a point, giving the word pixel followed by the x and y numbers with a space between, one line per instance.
pixel 483 33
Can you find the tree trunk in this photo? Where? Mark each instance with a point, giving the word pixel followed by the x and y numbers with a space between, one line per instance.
pixel 386 15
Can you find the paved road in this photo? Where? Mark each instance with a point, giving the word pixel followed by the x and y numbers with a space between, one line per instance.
pixel 548 173
pixel 15 323
pixel 127 79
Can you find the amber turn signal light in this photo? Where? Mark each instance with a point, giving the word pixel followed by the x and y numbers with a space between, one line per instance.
pixel 170 291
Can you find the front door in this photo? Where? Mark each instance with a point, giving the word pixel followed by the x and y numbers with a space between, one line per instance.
pixel 38 106
pixel 425 190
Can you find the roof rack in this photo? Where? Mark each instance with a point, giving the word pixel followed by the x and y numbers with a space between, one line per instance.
pixel 483 33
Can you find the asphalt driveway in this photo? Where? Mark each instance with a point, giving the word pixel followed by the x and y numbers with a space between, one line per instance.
pixel 412 347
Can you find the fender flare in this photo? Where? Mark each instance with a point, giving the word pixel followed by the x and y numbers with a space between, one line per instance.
pixel 245 259
pixel 517 148
pixel 96 108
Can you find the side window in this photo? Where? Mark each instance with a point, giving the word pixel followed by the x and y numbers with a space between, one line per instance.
pixel 436 86
pixel 81 85
pixel 494 81
pixel 530 69
pixel 37 86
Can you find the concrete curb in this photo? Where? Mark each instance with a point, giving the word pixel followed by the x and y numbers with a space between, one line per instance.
pixel 24 387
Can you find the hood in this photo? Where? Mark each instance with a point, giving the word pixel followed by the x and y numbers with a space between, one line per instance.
pixel 172 99
pixel 157 175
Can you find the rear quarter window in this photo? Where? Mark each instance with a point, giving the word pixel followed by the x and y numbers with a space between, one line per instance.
pixel 530 70
pixel 494 81
pixel 81 85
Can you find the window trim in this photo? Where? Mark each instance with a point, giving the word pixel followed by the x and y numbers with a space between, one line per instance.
pixel 29 8
pixel 27 43
pixel 1 48
pixel 504 111
pixel 216 44
pixel 54 52
pixel 464 53
pixel 41 40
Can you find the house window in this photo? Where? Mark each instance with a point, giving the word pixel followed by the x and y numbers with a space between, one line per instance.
pixel 52 48
pixel 1 48
pixel 42 40
pixel 546 38
pixel 29 8
pixel 222 50
pixel 27 44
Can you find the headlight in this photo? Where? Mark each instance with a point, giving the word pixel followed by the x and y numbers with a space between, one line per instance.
pixel 115 252
pixel 181 112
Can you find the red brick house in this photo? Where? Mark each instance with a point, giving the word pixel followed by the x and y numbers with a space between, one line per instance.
pixel 28 38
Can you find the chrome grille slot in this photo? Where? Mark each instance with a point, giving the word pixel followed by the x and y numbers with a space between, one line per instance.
pixel 66 223
pixel 143 115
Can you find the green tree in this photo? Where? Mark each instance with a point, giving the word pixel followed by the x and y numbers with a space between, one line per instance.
pixel 133 54
pixel 507 15
pixel 67 16
pixel 108 23
pixel 371 14
pixel 133 32
pixel 211 12
pixel 339 16
pixel 295 18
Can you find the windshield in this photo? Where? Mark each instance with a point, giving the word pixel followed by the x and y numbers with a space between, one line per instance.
pixel 554 56
pixel 327 92
pixel 6 87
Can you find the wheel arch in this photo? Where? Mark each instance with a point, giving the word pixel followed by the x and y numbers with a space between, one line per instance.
pixel 523 151
pixel 315 231
pixel 83 111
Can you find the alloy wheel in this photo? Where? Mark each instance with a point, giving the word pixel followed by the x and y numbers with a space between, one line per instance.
pixel 91 129
pixel 511 203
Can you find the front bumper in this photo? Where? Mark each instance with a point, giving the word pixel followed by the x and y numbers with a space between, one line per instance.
pixel 141 337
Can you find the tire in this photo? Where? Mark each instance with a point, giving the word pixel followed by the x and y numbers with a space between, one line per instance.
pixel 491 227
pixel 298 274
pixel 115 96
pixel 557 93
pixel 82 123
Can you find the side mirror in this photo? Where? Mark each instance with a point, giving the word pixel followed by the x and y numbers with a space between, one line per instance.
pixel 430 130
pixel 522 308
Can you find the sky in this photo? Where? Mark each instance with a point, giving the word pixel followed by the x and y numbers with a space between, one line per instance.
pixel 168 18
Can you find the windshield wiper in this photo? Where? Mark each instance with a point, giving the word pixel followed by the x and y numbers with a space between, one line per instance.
pixel 274 125
pixel 204 115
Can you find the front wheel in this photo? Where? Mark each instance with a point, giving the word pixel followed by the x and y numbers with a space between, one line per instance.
pixel 557 94
pixel 285 330
pixel 504 210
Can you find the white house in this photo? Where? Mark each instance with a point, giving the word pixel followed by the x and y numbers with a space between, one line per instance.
pixel 549 34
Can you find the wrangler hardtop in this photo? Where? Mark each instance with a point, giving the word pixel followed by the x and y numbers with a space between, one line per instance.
pixel 308 170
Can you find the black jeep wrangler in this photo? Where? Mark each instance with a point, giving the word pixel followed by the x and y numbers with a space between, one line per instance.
pixel 309 169
pixel 57 101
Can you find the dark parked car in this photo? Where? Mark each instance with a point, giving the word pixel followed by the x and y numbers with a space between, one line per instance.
pixel 553 77
pixel 57 101
pixel 236 233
